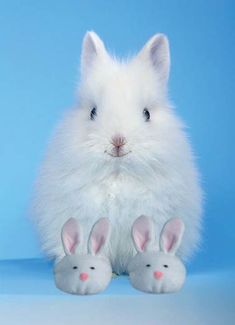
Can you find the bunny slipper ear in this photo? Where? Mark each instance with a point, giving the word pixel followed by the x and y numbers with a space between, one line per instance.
pixel 99 235
pixel 92 49
pixel 71 236
pixel 157 52
pixel 171 235
pixel 143 233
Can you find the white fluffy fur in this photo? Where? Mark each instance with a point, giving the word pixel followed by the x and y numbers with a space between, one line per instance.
pixel 157 178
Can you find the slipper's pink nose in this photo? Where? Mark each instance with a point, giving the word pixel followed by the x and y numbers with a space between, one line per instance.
pixel 158 275
pixel 84 276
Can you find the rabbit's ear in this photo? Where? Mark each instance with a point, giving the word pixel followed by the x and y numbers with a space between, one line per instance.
pixel 92 49
pixel 157 52
pixel 143 233
pixel 71 236
pixel 171 235
pixel 99 235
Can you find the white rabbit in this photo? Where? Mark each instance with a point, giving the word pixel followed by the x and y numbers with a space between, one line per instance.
pixel 121 152
pixel 153 270
pixel 83 273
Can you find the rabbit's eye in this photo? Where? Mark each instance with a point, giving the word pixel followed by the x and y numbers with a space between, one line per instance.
pixel 75 267
pixel 146 114
pixel 147 265
pixel 92 268
pixel 93 113
pixel 165 265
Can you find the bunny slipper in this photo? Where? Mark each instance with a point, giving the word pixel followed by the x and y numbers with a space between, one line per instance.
pixel 83 273
pixel 157 271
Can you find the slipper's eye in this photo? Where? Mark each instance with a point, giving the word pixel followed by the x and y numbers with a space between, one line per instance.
pixel 75 267
pixel 147 265
pixel 165 265
pixel 92 268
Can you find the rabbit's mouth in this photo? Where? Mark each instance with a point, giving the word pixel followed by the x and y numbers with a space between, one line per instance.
pixel 118 148
pixel 117 153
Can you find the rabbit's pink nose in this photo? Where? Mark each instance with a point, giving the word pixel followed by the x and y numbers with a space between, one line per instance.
pixel 118 141
pixel 84 276
pixel 158 275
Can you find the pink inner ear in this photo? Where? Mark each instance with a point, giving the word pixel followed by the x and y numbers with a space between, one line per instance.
pixel 141 239
pixel 99 235
pixel 71 243
pixel 172 233
pixel 170 242
pixel 142 232
pixel 70 236
pixel 97 243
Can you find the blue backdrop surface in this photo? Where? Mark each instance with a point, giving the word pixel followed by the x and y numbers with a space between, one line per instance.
pixel 40 46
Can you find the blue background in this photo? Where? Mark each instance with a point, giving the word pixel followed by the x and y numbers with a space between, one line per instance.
pixel 40 45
